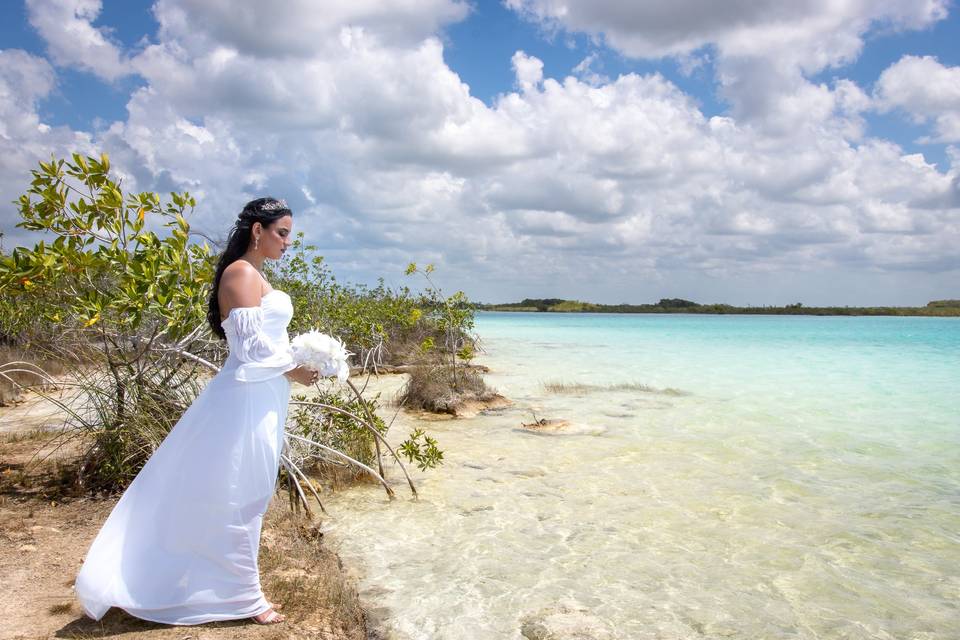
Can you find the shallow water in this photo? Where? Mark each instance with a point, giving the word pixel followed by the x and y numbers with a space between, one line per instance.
pixel 751 477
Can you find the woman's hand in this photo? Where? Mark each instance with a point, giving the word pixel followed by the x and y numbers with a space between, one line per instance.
pixel 303 375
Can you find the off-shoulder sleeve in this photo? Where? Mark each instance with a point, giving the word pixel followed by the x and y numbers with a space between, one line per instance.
pixel 262 359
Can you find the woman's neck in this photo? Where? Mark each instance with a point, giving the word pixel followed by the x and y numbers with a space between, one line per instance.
pixel 254 259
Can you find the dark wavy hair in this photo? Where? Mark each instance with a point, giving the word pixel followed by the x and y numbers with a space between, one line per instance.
pixel 237 244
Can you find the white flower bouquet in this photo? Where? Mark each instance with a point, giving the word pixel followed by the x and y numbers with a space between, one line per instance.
pixel 322 353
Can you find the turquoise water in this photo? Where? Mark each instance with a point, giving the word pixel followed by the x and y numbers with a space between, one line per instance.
pixel 903 372
pixel 721 477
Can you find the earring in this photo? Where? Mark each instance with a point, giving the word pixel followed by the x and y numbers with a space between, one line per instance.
pixel 256 242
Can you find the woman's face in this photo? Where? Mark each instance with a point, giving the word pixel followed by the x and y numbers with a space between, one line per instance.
pixel 275 238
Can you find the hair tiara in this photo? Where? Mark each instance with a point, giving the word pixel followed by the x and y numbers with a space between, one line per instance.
pixel 276 205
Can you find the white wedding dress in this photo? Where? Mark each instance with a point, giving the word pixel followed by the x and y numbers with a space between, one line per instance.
pixel 180 547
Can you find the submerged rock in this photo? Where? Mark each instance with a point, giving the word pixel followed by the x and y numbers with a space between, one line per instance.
pixel 567 620
pixel 528 473
pixel 469 407
pixel 473 510
pixel 546 425
pixel 560 426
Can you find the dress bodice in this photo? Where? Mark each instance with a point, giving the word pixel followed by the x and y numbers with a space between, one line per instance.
pixel 276 310
pixel 257 338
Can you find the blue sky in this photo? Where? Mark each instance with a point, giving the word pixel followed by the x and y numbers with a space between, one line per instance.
pixel 398 145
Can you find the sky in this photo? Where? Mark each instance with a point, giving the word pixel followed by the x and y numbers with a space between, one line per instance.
pixel 754 152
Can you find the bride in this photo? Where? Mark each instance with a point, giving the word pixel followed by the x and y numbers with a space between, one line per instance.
pixel 180 546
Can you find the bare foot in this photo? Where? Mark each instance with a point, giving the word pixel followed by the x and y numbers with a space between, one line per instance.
pixel 269 616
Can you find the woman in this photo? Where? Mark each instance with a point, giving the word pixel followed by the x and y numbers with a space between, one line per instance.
pixel 180 546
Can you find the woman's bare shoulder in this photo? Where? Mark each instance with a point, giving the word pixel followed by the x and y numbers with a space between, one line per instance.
pixel 240 285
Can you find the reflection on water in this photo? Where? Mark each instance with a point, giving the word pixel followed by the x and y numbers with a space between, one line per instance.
pixel 807 485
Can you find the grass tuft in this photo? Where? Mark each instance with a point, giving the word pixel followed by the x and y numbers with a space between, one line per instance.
pixel 581 388
pixel 436 388
pixel 31 435
pixel 11 390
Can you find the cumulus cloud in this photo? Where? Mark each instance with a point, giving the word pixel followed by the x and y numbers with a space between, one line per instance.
pixel 24 138
pixel 608 187
pixel 821 33
pixel 24 79
pixel 299 28
pixel 765 49
pixel 529 70
pixel 926 90
pixel 72 40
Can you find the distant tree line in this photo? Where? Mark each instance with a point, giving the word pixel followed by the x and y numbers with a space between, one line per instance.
pixel 679 305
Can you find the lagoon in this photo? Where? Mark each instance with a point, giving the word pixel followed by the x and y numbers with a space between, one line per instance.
pixel 723 477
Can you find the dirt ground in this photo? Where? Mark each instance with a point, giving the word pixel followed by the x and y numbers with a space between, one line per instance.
pixel 44 536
